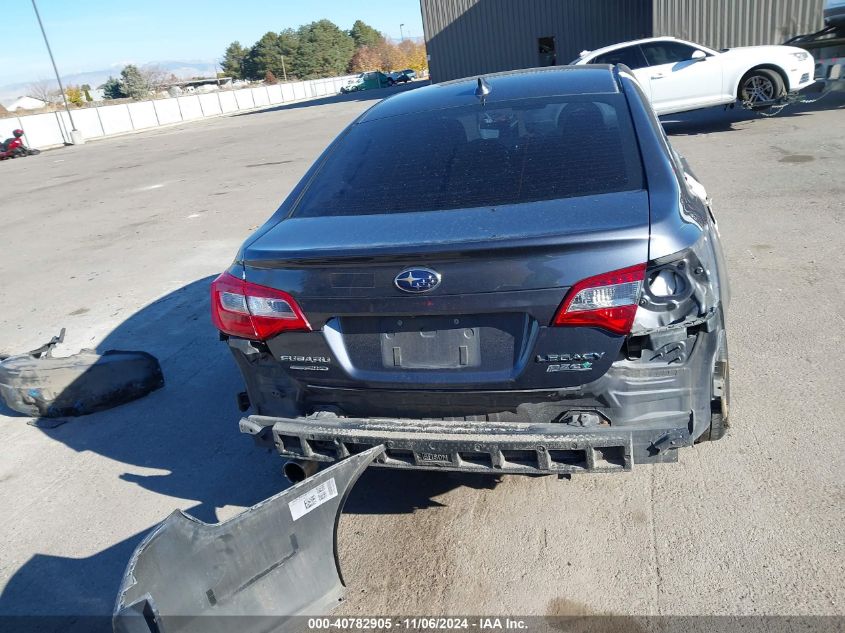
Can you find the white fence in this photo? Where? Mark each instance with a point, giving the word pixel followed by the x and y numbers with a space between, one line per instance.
pixel 53 128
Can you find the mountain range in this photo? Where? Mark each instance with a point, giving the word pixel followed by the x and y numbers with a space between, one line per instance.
pixel 94 78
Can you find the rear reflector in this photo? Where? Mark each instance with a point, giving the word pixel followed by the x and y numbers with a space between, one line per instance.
pixel 244 309
pixel 607 301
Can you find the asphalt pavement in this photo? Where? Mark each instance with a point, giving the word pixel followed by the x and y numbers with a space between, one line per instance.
pixel 117 241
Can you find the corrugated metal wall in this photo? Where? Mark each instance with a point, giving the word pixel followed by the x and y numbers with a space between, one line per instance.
pixel 724 23
pixel 470 37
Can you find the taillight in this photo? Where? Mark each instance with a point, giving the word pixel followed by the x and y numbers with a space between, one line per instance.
pixel 607 301
pixel 244 309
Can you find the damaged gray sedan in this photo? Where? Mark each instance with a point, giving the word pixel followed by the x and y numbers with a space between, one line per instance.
pixel 544 293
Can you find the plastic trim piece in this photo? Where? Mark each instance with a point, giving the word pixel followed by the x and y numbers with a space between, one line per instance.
pixel 252 573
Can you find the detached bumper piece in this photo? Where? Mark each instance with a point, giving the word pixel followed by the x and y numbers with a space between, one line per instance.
pixel 467 446
pixel 248 574
pixel 37 384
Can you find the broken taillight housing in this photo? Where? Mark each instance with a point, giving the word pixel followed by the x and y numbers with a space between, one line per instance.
pixel 607 301
pixel 247 310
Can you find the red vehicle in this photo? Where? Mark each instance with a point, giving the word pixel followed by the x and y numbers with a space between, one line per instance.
pixel 14 147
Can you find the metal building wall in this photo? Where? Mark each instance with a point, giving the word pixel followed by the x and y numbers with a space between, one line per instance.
pixel 725 23
pixel 471 37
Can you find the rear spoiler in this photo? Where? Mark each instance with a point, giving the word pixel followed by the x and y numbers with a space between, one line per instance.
pixel 252 573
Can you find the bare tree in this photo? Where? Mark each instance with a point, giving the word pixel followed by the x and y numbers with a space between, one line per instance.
pixel 155 77
pixel 41 89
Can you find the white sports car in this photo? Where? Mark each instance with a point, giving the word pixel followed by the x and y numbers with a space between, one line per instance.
pixel 679 76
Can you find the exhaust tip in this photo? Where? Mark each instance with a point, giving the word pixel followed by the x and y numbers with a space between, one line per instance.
pixel 296 470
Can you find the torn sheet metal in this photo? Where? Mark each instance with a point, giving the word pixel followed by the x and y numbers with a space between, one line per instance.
pixel 37 384
pixel 248 574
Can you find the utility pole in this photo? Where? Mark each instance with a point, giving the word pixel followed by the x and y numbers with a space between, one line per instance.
pixel 284 72
pixel 401 32
pixel 75 136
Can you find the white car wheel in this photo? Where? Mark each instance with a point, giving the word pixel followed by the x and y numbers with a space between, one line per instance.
pixel 760 87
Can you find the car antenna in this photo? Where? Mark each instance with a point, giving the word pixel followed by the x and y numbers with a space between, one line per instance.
pixel 482 90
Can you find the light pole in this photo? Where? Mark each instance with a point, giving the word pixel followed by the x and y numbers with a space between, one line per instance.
pixel 401 32
pixel 75 136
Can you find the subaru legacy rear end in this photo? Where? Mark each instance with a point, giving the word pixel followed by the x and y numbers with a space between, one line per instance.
pixel 513 274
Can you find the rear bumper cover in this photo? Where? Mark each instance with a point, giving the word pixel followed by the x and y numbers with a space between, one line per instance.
pixel 251 573
pixel 492 447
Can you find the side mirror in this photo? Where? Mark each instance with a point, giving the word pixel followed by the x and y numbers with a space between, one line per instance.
pixel 698 56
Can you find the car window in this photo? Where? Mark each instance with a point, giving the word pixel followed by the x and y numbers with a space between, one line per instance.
pixel 658 53
pixel 471 156
pixel 631 56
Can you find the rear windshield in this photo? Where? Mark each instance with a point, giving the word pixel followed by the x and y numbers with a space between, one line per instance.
pixel 479 155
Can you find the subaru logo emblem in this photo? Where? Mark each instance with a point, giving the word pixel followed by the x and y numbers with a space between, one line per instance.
pixel 417 280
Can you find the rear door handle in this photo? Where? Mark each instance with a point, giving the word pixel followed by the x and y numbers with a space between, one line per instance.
pixel 658 76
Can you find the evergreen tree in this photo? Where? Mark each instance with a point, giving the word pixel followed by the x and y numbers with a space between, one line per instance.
pixel 112 89
pixel 288 43
pixel 365 35
pixel 266 54
pixel 134 84
pixel 233 60
pixel 324 51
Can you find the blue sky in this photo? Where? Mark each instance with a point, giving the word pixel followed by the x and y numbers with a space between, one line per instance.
pixel 96 34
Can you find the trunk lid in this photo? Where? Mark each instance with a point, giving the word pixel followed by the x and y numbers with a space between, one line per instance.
pixel 592 233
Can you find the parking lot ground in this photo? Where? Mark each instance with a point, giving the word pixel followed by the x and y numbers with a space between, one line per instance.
pixel 118 240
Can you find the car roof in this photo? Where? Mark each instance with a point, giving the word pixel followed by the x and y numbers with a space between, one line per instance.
pixel 645 40
pixel 504 86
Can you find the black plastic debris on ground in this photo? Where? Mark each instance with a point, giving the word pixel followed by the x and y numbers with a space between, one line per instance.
pixel 38 384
